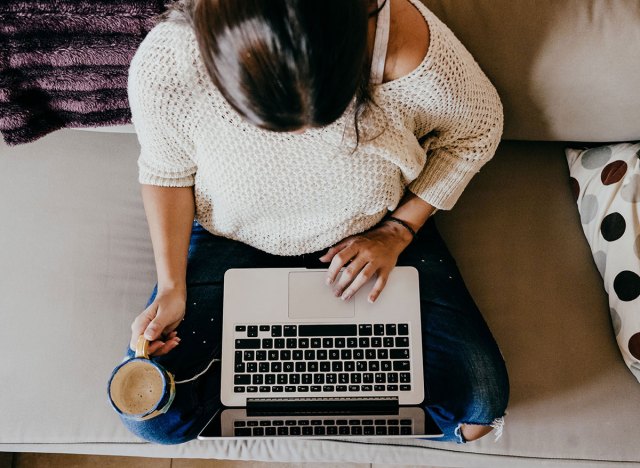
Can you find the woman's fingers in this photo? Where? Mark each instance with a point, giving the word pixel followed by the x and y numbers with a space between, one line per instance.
pixel 361 278
pixel 338 261
pixel 378 286
pixel 164 347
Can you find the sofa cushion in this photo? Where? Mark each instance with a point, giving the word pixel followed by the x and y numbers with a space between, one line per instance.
pixel 606 185
pixel 565 70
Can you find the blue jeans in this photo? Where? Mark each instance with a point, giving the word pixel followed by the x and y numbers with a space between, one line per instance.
pixel 465 376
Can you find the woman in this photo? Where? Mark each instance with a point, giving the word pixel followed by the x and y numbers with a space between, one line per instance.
pixel 292 130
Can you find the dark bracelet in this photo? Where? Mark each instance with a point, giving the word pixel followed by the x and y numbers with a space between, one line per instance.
pixel 399 221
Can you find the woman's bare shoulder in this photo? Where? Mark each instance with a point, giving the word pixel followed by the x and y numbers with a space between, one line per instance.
pixel 409 39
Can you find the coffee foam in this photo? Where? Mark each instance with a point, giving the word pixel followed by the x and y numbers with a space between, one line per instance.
pixel 137 388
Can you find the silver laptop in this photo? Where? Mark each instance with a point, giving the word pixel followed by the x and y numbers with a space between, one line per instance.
pixel 298 361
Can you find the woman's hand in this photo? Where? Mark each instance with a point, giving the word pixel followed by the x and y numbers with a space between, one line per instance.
pixel 372 252
pixel 158 322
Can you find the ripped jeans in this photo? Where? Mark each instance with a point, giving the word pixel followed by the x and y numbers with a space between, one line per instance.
pixel 465 376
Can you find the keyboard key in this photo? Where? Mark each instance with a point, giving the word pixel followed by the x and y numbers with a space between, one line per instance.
pixel 261 355
pixel 399 353
pixel 361 366
pixel 264 389
pixel 316 388
pixel 307 378
pixel 307 430
pixel 278 343
pixel 276 331
pixel 242 432
pixel 401 365
pixel 276 366
pixel 367 377
pixel 277 389
pixel 239 424
pixel 325 366
pixel 290 330
pixel 366 388
pixel 334 354
pixel 239 368
pixel 310 355
pixel 339 343
pixel 352 342
pixel 238 357
pixel 297 355
pixel 252 367
pixel 343 430
pixel 303 343
pixel 263 367
pixel 336 366
pixel 381 430
pixel 331 378
pixel 248 344
pixel 318 430
pixel 380 377
pixel 356 378
pixel 238 389
pixel 370 353
pixel 327 330
pixel 364 330
pixel 273 355
pixel 403 329
pixel 282 379
pixel 402 342
pixel 270 431
pixel 292 343
pixel 385 365
pixel 332 430
pixel 374 366
pixel 392 377
pixel 378 388
pixel 405 388
pixel 328 388
pixel 318 379
pixel 405 422
pixel 258 431
pixel 356 430
pixel 343 378
pixel 289 388
pixel 327 343
pixel 405 430
pixel 267 343
pixel 303 388
pixel 391 329
pixel 345 354
pixel 241 328
pixel 285 355
pixel 294 379
pixel 241 379
pixel 368 430
pixel 392 388
pixel 264 328
pixel 257 379
pixel 364 342
pixel 287 366
pixel 270 379
pixel 358 353
pixel 341 388
pixel 316 422
pixel 378 329
pixel 252 389
pixel 277 422
pixel 393 430
pixel 354 388
pixel 316 342
pixel 252 331
pixel 312 366
pixel 283 430
pixel 349 366
pixel 388 342
pixel 376 342
pixel 383 353
pixel 249 355
pixel 321 355
pixel 301 367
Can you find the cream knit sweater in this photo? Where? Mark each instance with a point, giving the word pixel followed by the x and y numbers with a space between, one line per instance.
pixel 290 194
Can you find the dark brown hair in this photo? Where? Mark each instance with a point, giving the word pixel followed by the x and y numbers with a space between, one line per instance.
pixel 286 64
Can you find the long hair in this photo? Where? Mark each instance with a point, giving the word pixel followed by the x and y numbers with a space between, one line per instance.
pixel 285 65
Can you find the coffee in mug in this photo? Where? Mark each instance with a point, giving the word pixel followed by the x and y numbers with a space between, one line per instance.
pixel 139 388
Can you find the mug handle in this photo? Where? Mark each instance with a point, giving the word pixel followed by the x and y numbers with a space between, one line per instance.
pixel 142 347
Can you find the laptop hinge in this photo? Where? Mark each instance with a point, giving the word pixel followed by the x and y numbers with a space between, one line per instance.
pixel 309 406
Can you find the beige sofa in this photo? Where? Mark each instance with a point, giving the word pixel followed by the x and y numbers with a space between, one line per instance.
pixel 76 261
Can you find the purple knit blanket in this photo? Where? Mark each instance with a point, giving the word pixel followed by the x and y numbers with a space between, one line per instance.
pixel 64 63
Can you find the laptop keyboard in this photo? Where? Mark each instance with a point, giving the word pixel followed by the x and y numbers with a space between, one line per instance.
pixel 286 359
pixel 326 427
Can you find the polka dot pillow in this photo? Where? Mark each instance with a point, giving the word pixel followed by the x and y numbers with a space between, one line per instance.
pixel 606 185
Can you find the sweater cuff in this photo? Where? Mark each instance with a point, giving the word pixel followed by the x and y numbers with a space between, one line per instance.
pixel 148 178
pixel 441 182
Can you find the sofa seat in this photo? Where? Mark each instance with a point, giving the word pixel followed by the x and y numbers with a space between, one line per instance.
pixel 77 266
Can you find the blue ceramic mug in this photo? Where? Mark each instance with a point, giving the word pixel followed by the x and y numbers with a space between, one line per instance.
pixel 139 388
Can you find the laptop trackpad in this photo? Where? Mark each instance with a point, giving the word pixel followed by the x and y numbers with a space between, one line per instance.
pixel 310 297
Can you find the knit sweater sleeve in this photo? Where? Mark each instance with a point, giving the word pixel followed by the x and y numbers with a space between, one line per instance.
pixel 464 137
pixel 158 75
